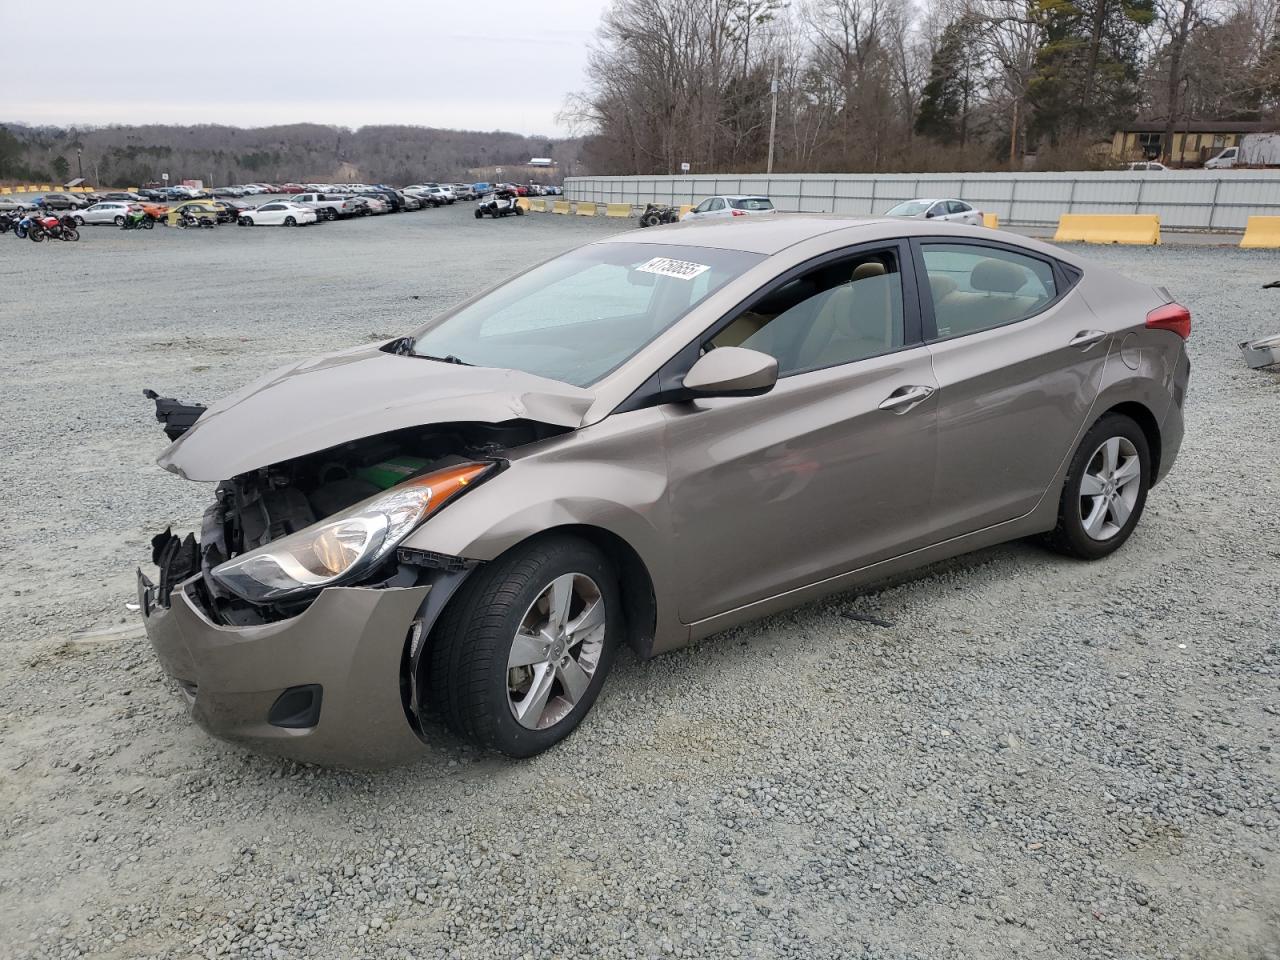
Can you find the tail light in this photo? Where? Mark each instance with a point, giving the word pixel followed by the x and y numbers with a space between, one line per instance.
pixel 739 213
pixel 1172 316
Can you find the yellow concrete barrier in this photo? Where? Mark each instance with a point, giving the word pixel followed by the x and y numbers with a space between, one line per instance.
pixel 1137 228
pixel 538 206
pixel 522 203
pixel 5 190
pixel 132 189
pixel 685 208
pixel 560 206
pixel 617 209
pixel 586 210
pixel 991 220
pixel 45 187
pixel 1261 233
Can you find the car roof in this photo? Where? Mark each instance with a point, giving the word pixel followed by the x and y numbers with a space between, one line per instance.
pixel 766 235
pixel 771 235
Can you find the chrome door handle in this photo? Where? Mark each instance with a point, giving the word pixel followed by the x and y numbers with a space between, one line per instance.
pixel 1087 338
pixel 904 398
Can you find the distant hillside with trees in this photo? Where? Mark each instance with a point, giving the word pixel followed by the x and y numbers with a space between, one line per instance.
pixel 131 155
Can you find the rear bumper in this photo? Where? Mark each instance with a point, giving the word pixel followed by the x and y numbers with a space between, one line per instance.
pixel 1172 426
pixel 350 642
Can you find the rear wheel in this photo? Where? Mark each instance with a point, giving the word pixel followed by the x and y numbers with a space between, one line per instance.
pixel 70 233
pixel 290 222
pixel 520 654
pixel 36 234
pixel 148 224
pixel 1105 490
pixel 479 214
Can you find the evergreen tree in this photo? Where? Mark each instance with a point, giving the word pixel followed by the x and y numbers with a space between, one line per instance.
pixel 947 100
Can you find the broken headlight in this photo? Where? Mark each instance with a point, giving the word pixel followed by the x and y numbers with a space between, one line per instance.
pixel 347 545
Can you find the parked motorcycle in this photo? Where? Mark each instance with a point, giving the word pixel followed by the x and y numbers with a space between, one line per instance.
pixel 186 220
pixel 22 225
pixel 138 220
pixel 10 221
pixel 499 205
pixel 657 213
pixel 54 228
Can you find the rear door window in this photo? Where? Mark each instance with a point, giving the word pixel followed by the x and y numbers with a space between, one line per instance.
pixel 977 288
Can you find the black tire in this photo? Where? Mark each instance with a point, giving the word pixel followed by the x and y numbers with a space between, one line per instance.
pixel 70 234
pixel 290 222
pixel 80 220
pixel 246 221
pixel 650 220
pixel 329 214
pixel 472 642
pixel 479 214
pixel 519 211
pixel 36 234
pixel 1070 536
pixel 148 224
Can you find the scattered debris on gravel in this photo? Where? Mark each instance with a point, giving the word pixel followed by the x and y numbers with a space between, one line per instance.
pixel 1009 755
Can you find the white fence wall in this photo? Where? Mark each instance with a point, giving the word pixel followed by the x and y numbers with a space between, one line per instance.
pixel 1184 200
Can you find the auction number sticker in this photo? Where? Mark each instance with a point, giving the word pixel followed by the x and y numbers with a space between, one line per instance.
pixel 680 269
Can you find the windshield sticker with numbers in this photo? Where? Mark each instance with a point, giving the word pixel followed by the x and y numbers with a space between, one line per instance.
pixel 680 269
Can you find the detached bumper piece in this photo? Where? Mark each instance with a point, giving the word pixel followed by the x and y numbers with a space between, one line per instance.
pixel 1261 353
pixel 322 687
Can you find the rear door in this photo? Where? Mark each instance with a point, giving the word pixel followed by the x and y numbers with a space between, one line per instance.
pixel 1019 359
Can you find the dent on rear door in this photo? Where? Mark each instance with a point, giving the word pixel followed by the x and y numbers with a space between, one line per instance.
pixel 1012 401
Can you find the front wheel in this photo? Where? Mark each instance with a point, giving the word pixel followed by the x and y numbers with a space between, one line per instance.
pixel 1105 490
pixel 148 224
pixel 36 234
pixel 521 652
pixel 246 221
pixel 80 220
pixel 70 233
pixel 519 211
pixel 479 214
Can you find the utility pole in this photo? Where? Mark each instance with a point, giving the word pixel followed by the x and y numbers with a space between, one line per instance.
pixel 80 166
pixel 773 117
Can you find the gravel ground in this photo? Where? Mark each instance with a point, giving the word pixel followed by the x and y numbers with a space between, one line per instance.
pixel 1036 757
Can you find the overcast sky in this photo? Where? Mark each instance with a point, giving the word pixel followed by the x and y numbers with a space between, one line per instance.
pixel 497 64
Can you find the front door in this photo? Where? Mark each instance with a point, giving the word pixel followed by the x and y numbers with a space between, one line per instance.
pixel 829 471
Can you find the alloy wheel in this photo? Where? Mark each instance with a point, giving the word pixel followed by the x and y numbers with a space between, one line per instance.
pixel 556 651
pixel 1109 488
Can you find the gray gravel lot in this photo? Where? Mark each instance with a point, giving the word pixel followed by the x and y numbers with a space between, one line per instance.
pixel 1037 758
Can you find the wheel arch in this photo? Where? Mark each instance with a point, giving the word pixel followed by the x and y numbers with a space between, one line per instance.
pixel 1140 414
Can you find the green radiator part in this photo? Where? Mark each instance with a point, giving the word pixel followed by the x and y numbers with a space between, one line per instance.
pixel 390 472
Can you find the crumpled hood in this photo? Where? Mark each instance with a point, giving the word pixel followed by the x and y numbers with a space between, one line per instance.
pixel 357 393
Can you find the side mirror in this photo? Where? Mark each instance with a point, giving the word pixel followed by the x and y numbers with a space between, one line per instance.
pixel 732 372
pixel 929 214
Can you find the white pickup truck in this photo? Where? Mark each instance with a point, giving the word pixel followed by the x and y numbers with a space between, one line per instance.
pixel 328 206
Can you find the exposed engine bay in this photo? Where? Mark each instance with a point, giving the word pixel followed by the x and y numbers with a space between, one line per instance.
pixel 265 505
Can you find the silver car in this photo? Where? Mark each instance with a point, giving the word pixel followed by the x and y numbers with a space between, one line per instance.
pixel 954 211
pixel 730 205
pixel 649 439
pixel 109 211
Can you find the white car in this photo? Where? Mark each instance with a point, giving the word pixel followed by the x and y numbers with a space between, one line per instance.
pixel 109 211
pixel 278 213
pixel 953 211
pixel 730 205
pixel 1147 165
pixel 375 204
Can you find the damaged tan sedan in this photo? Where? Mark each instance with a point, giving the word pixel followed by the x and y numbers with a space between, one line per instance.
pixel 646 440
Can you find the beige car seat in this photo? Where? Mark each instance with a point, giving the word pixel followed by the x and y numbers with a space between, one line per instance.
pixel 994 301
pixel 858 320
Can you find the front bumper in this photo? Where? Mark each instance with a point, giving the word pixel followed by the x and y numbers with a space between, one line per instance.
pixel 350 641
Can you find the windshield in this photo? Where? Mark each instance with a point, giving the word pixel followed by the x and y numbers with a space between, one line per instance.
pixel 912 208
pixel 578 317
